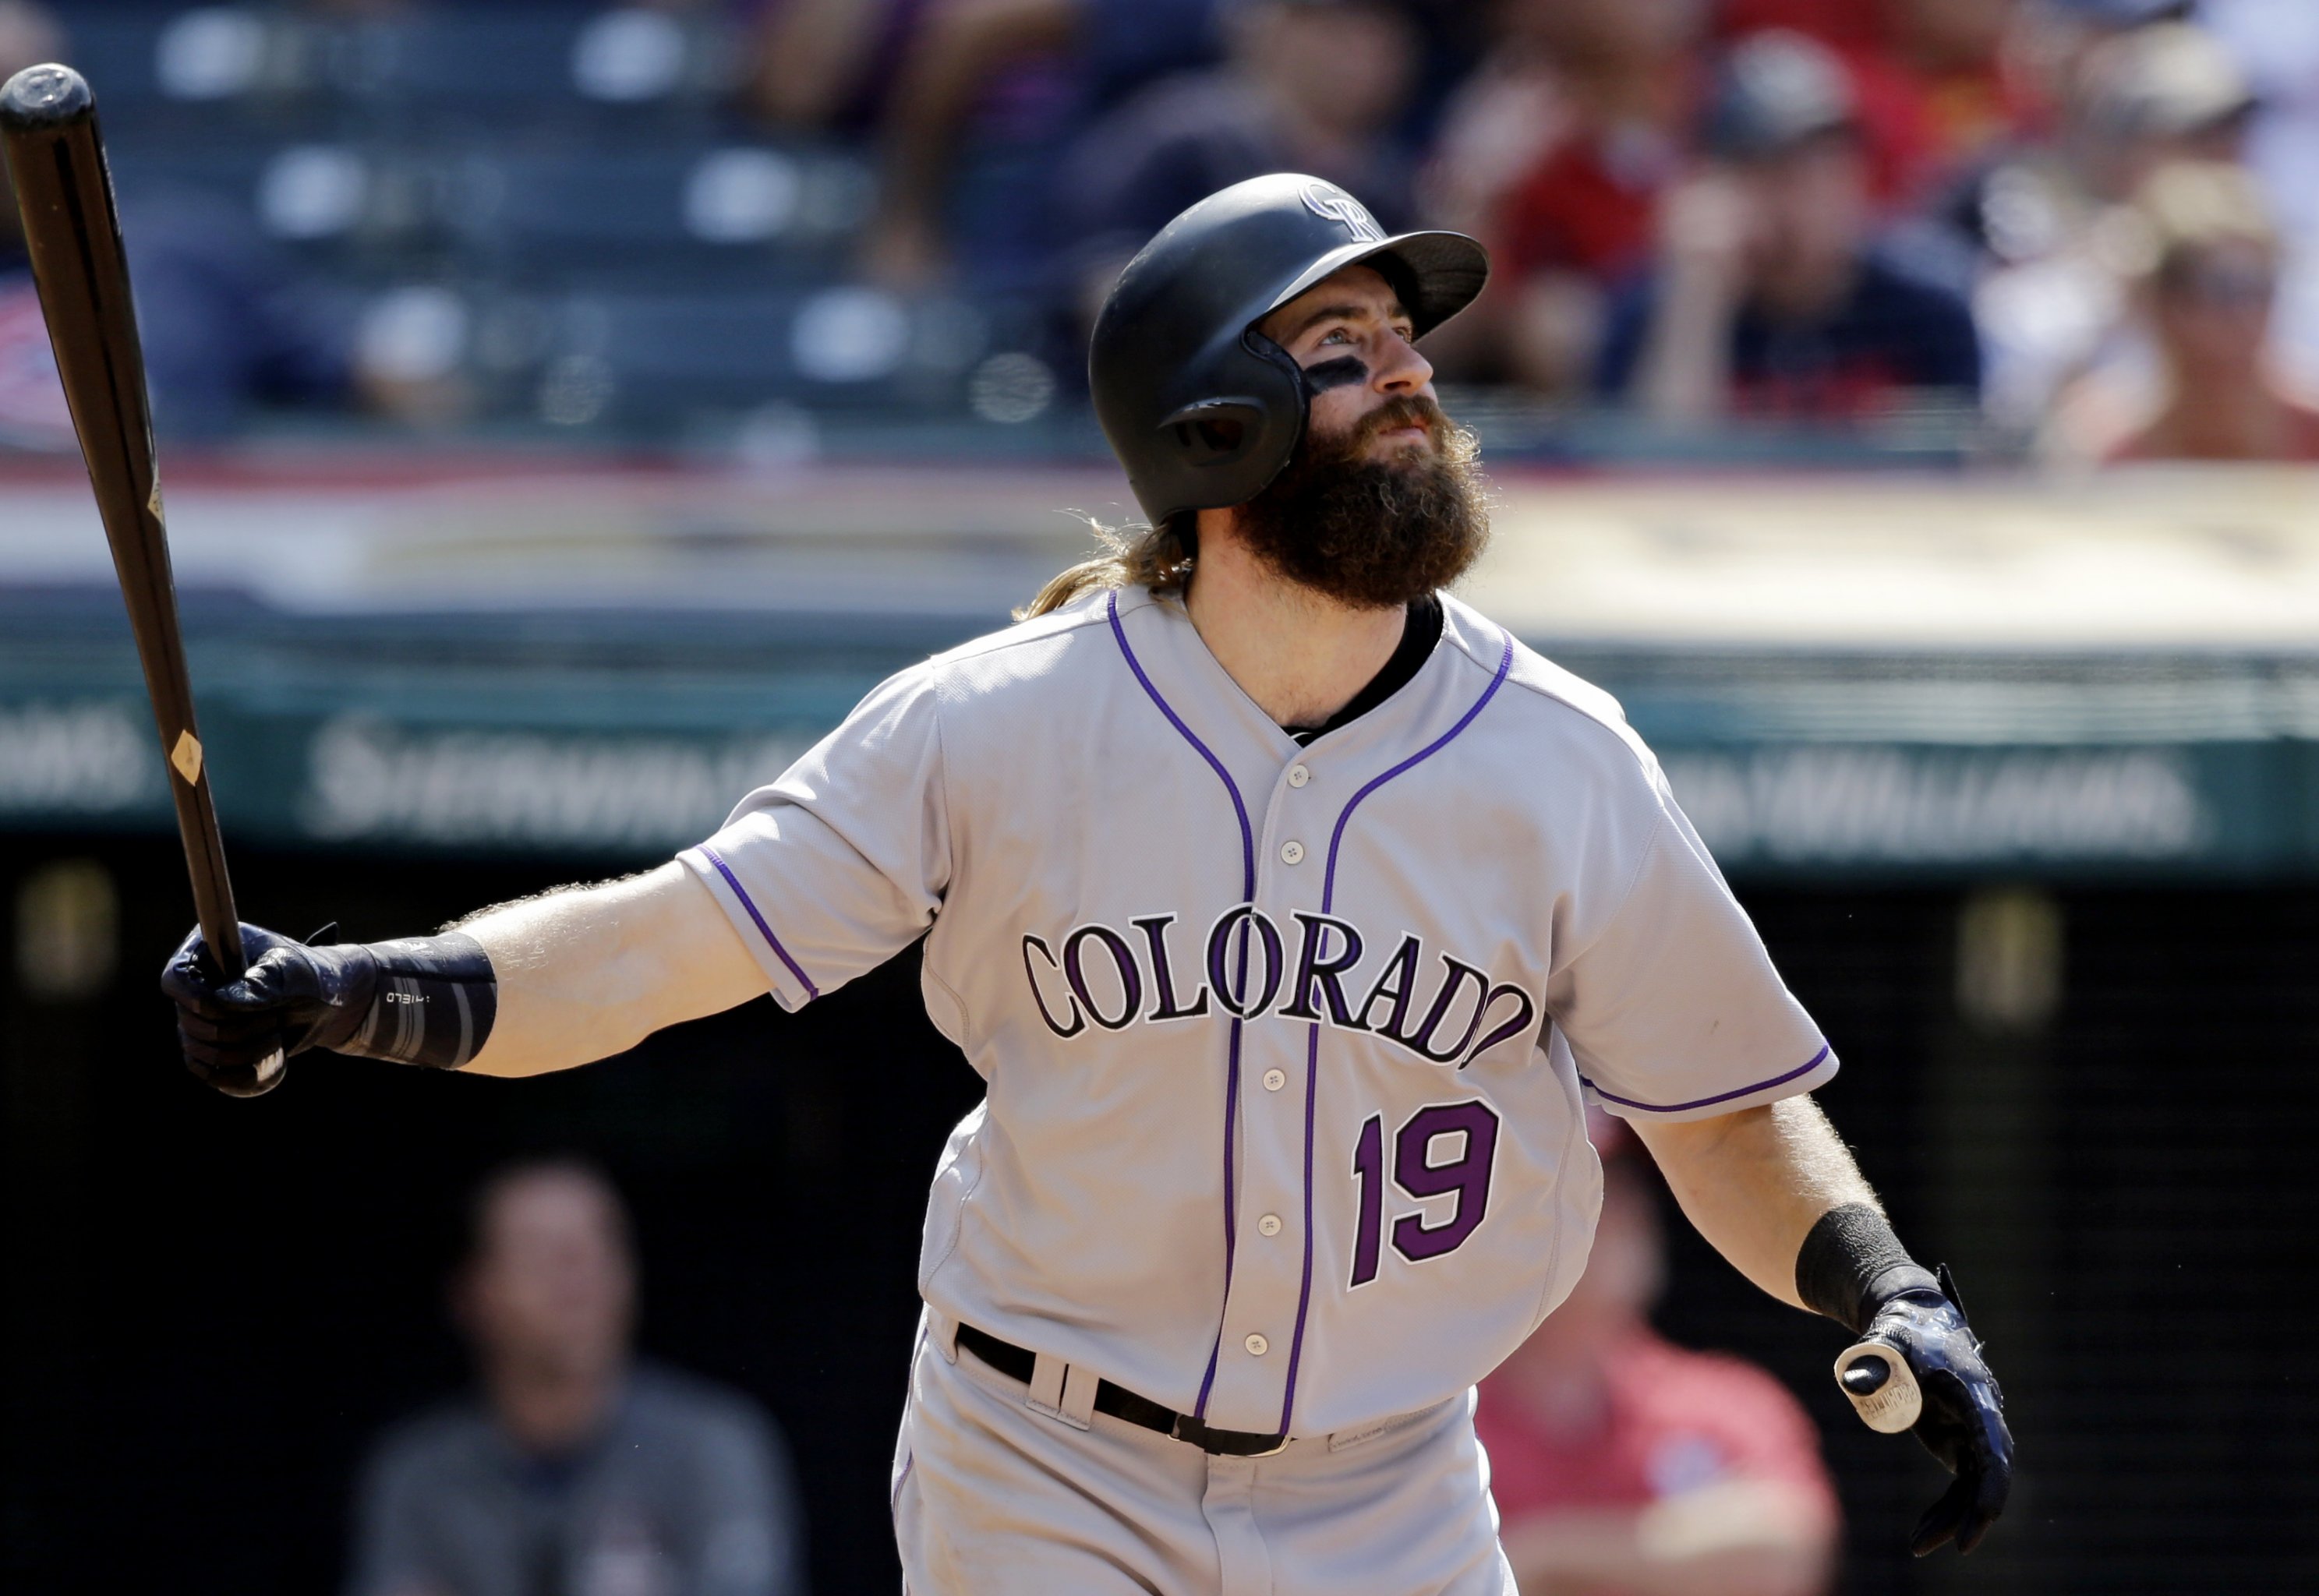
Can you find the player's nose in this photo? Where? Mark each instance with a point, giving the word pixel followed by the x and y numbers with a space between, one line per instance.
pixel 1400 369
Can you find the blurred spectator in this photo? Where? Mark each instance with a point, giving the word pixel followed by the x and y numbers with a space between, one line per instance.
pixel 2276 42
pixel 1771 297
pixel 1936 87
pixel 1850 24
pixel 227 322
pixel 2053 305
pixel 573 1474
pixel 1307 85
pixel 32 413
pixel 1842 25
pixel 1940 89
pixel 1556 150
pixel 1623 1464
pixel 2210 278
pixel 2167 92
pixel 952 55
pixel 827 64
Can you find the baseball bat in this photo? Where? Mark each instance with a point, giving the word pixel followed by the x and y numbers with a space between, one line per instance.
pixel 72 231
pixel 1883 1389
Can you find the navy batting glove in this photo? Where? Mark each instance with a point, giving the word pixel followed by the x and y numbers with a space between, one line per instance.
pixel 428 1000
pixel 236 1033
pixel 1963 1422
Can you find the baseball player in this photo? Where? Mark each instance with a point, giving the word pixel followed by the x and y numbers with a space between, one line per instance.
pixel 1293 912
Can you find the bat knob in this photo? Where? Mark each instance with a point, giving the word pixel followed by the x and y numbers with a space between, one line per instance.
pixel 1866 1376
pixel 256 1082
pixel 44 98
pixel 1883 1389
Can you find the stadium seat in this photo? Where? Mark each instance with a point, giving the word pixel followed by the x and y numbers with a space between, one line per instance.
pixel 490 66
pixel 659 360
pixel 736 215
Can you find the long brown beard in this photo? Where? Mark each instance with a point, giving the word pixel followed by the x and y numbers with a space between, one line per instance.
pixel 1375 534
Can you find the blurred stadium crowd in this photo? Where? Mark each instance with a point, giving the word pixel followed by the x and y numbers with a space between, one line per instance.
pixel 2018 813
pixel 2083 229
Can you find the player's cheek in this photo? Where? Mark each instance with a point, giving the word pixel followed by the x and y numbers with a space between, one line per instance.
pixel 1336 412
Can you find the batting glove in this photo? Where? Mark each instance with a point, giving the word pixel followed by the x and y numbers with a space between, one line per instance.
pixel 427 1000
pixel 1959 1410
pixel 236 1033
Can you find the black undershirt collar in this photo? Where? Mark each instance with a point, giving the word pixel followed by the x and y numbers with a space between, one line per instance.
pixel 1418 634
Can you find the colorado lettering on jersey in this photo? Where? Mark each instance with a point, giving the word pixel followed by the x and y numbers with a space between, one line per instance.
pixel 1108 979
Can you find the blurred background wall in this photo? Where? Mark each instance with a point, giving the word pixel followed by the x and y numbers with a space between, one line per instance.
pixel 568 412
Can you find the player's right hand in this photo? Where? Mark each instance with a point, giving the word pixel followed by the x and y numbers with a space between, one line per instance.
pixel 236 1033
pixel 1962 1421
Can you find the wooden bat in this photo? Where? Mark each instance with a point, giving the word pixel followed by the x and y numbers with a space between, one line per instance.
pixel 1883 1389
pixel 48 123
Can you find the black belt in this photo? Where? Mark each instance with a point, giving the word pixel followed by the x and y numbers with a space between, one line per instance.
pixel 1017 1363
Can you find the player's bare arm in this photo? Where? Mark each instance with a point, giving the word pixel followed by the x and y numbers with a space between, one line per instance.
pixel 1755 1182
pixel 543 984
pixel 590 971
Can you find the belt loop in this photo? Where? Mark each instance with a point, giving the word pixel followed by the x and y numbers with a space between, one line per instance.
pixel 1077 1406
pixel 1049 1376
pixel 943 1330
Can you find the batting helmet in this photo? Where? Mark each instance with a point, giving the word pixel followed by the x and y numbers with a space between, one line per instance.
pixel 1202 409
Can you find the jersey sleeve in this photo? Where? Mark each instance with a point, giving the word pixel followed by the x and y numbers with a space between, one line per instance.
pixel 842 862
pixel 1673 1009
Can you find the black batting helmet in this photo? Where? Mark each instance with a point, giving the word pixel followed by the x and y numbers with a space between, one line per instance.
pixel 1202 409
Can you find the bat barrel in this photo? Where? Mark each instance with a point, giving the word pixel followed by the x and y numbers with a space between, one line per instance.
pixel 48 123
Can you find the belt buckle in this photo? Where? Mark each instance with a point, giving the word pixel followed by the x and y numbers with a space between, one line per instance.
pixel 1273 1450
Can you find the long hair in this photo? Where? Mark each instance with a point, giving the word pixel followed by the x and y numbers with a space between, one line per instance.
pixel 1133 555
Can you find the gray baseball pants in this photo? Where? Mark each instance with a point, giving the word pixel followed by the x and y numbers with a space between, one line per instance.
pixel 993 1499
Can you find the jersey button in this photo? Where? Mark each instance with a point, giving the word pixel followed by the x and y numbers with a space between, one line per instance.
pixel 1270 1224
pixel 1292 851
pixel 1298 775
pixel 1274 1080
pixel 1257 1346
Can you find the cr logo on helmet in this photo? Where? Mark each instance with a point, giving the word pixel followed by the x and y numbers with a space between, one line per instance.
pixel 1327 200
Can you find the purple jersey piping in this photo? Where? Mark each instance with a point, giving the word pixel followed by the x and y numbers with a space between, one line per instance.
pixel 1231 1046
pixel 1761 1086
pixel 734 881
pixel 1313 1044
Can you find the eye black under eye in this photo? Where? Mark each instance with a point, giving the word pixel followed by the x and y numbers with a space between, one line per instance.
pixel 1342 372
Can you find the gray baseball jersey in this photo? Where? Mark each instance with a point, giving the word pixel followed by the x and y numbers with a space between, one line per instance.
pixel 1287 1046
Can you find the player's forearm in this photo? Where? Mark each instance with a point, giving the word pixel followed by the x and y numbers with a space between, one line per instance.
pixel 590 971
pixel 1755 1182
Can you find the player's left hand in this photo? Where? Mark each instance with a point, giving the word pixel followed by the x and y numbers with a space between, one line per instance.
pixel 237 1032
pixel 1963 1420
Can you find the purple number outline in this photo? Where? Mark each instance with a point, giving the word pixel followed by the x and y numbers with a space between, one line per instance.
pixel 1369 1172
pixel 1414 1172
